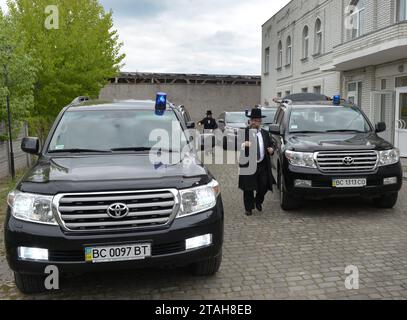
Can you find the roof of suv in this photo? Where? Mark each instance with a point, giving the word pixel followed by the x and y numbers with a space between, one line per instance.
pixel 99 105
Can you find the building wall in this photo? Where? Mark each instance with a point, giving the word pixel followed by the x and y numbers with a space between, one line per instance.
pixel 381 27
pixel 196 97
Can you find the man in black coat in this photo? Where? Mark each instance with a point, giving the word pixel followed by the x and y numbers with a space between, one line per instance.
pixel 208 122
pixel 261 181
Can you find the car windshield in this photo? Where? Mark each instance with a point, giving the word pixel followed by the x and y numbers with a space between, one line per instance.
pixel 236 117
pixel 270 114
pixel 328 119
pixel 121 130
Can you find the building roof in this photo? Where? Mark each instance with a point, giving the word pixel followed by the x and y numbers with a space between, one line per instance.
pixel 183 78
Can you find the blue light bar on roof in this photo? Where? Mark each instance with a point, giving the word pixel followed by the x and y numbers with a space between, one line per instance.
pixel 160 103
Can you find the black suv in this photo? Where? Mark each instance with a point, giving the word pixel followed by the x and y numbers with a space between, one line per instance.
pixel 328 148
pixel 103 196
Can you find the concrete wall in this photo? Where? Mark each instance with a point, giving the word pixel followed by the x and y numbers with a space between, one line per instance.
pixel 196 97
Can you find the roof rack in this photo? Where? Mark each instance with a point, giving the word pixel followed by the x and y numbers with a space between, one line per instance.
pixel 297 97
pixel 79 100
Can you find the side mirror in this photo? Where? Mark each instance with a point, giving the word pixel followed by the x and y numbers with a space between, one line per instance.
pixel 191 125
pixel 30 145
pixel 381 127
pixel 275 129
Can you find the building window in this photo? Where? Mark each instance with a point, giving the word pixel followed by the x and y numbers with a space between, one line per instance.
pixel 280 55
pixel 317 89
pixel 355 93
pixel 305 42
pixel 318 37
pixel 356 20
pixel 267 61
pixel 401 82
pixel 401 10
pixel 304 90
pixel 279 94
pixel 289 51
pixel 287 93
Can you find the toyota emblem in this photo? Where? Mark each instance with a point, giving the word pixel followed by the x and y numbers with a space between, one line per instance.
pixel 348 161
pixel 118 211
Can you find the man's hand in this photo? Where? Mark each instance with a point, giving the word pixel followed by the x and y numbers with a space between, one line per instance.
pixel 270 151
pixel 247 144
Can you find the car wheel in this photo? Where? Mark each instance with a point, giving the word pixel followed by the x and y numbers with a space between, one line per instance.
pixel 207 267
pixel 287 203
pixel 387 201
pixel 29 284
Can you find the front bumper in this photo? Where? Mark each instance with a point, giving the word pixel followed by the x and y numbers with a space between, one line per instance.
pixel 67 250
pixel 322 183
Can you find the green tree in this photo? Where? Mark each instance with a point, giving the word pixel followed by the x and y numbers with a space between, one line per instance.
pixel 73 60
pixel 17 66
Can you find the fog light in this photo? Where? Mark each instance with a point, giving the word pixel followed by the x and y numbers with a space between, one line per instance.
pixel 35 254
pixel 388 181
pixel 198 242
pixel 303 183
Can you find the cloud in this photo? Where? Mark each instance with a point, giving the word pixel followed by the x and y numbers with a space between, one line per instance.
pixel 191 36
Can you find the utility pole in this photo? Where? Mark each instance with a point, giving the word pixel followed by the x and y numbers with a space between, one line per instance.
pixel 10 134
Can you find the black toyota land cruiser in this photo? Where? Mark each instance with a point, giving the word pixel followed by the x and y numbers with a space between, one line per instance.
pixel 111 191
pixel 329 148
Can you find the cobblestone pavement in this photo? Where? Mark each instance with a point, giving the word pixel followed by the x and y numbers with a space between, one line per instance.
pixel 271 255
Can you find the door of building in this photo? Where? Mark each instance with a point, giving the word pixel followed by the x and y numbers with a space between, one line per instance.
pixel 401 120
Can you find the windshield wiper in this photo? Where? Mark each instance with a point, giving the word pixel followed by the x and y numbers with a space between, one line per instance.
pixel 136 149
pixel 346 130
pixel 78 151
pixel 141 149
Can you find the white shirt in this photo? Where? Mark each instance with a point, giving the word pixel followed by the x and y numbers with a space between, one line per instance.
pixel 261 145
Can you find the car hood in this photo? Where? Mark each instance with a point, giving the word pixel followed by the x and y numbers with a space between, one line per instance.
pixel 110 172
pixel 336 141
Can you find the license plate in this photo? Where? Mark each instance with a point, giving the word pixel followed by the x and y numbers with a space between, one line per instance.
pixel 349 183
pixel 118 253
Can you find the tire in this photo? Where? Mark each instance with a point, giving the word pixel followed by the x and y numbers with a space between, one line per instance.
pixel 207 267
pixel 287 203
pixel 29 284
pixel 387 201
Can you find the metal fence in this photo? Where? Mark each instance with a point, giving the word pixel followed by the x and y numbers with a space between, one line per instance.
pixel 22 160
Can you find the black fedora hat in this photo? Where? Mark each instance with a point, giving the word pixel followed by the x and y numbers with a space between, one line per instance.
pixel 255 114
pixel 209 113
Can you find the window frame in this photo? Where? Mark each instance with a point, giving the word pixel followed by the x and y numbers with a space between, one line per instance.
pixel 289 51
pixel 280 55
pixel 305 42
pixel 318 41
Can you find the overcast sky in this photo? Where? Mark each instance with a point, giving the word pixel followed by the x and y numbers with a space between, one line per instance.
pixel 192 36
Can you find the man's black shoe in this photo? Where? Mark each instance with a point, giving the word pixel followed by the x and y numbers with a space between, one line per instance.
pixel 259 207
pixel 249 212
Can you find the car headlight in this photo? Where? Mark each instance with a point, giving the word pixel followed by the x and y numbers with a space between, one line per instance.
pixel 301 159
pixel 31 207
pixel 389 157
pixel 199 199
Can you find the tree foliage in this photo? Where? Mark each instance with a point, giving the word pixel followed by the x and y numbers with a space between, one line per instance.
pixel 76 59
pixel 17 65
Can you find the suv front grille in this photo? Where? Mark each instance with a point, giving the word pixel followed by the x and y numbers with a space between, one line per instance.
pixel 347 161
pixel 90 211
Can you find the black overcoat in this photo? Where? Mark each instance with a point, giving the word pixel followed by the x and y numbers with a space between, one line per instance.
pixel 249 182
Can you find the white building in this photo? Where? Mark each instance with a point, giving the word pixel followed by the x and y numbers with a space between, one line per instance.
pixel 354 48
